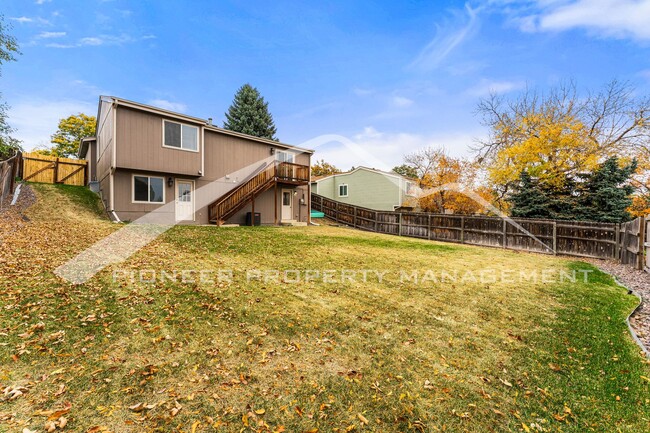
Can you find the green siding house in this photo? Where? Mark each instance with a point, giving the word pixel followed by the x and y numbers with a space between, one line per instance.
pixel 367 187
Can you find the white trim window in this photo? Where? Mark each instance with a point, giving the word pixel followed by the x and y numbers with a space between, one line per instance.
pixel 284 156
pixel 343 190
pixel 180 136
pixel 410 189
pixel 148 189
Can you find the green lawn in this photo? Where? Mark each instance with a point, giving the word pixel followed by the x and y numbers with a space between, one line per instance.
pixel 121 354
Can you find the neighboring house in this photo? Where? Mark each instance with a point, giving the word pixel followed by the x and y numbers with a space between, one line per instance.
pixel 367 187
pixel 150 161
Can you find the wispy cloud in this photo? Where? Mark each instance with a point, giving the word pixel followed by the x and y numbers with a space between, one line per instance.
pixel 40 2
pixel 389 148
pixel 168 105
pixel 50 35
pixel 359 91
pixel 402 102
pixel 101 40
pixel 609 18
pixel 448 38
pixel 94 41
pixel 59 45
pixel 485 87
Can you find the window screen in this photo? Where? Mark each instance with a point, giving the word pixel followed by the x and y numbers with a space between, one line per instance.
pixel 172 134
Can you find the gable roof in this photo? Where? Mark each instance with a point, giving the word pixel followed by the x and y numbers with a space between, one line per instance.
pixel 83 146
pixel 374 170
pixel 196 120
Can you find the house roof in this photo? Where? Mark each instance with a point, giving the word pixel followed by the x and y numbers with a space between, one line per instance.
pixel 197 120
pixel 83 146
pixel 386 173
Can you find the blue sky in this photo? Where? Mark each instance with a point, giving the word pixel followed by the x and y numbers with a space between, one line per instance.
pixel 390 76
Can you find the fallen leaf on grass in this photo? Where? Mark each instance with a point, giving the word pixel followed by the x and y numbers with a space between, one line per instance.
pixel 13 392
pixel 59 413
pixel 140 407
pixel 554 367
pixel 52 425
pixel 98 429
pixel 177 408
pixel 362 418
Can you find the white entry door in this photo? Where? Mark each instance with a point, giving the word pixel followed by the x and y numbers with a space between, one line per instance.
pixel 287 204
pixel 184 200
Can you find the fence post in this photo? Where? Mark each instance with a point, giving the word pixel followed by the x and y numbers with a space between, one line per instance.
pixel 55 176
pixel 354 218
pixel 617 240
pixel 429 226
pixel 623 257
pixel 641 244
pixel 462 229
pixel 399 216
pixel 646 246
pixel 555 238
pixel 505 235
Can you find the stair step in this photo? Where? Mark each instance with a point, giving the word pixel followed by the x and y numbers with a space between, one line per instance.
pixel 293 223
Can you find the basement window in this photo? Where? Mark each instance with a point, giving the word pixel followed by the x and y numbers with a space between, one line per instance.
pixel 148 189
pixel 343 190
pixel 180 136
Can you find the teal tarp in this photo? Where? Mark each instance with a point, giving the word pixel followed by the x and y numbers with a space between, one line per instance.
pixel 316 214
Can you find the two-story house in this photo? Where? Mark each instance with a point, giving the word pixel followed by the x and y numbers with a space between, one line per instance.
pixel 370 188
pixel 184 169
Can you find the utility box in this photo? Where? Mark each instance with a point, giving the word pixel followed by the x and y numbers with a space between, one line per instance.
pixel 249 219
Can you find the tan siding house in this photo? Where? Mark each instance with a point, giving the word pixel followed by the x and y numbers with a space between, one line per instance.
pixel 367 187
pixel 147 161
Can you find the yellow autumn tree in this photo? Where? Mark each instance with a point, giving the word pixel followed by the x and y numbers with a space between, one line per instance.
pixel 548 146
pixel 559 134
pixel 437 171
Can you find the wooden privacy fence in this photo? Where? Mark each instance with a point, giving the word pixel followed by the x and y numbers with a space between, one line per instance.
pixel 51 169
pixel 572 238
pixel 9 169
pixel 646 245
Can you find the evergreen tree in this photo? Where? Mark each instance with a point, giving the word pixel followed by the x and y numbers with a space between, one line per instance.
pixel 530 200
pixel 249 114
pixel 406 171
pixel 606 193
pixel 563 199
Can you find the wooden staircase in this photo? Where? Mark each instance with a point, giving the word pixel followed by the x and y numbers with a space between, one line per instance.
pixel 234 200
